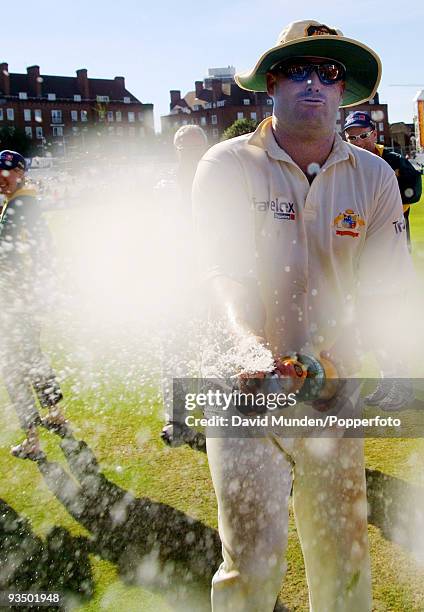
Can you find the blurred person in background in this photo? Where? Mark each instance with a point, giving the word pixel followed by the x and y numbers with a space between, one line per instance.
pixel 190 144
pixel 25 272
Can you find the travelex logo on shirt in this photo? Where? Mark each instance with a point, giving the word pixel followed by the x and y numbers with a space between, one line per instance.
pixel 348 223
pixel 282 210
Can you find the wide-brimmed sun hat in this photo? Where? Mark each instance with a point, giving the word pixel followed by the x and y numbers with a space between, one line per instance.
pixel 315 39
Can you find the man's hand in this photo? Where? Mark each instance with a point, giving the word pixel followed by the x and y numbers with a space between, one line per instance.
pixel 346 355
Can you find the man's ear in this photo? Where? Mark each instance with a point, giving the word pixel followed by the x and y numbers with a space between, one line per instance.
pixel 270 83
pixel 342 89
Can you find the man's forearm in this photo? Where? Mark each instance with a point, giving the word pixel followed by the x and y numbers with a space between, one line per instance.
pixel 240 304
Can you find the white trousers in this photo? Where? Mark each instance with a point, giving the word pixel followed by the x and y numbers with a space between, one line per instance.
pixel 252 478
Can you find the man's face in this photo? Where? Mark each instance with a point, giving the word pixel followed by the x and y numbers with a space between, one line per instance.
pixel 367 143
pixel 10 181
pixel 307 105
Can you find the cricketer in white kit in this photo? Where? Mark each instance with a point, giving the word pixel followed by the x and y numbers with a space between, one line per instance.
pixel 297 239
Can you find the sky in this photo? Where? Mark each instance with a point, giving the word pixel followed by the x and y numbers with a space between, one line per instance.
pixel 166 44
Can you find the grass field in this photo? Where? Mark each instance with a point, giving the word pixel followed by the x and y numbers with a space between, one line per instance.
pixel 119 418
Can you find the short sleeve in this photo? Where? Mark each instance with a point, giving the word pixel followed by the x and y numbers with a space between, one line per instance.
pixel 223 218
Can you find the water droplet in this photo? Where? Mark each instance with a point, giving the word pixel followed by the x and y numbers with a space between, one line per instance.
pixel 377 116
pixel 313 168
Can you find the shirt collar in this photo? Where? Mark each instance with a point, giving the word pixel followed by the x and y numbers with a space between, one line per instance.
pixel 23 191
pixel 264 138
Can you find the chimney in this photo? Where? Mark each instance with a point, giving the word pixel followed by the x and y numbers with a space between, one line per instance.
pixel 119 87
pixel 4 78
pixel 199 88
pixel 83 83
pixel 175 97
pixel 216 89
pixel 34 81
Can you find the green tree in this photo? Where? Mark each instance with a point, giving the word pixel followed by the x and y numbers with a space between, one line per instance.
pixel 16 140
pixel 239 127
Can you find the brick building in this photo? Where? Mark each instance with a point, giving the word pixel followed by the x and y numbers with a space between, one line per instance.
pixel 218 101
pixel 215 104
pixel 58 111
pixel 403 137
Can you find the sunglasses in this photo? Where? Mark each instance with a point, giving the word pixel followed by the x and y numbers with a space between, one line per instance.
pixel 362 136
pixel 328 72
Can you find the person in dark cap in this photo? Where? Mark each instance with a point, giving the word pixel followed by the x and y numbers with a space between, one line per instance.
pixel 360 130
pixel 25 257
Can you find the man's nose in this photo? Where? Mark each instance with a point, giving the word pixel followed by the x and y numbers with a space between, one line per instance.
pixel 313 83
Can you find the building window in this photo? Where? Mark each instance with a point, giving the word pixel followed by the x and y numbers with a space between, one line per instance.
pixel 131 117
pixel 142 131
pixel 240 115
pixel 269 101
pixel 214 120
pixel 77 98
pixel 381 127
pixel 10 114
pixel 23 95
pixel 131 132
pixel 28 131
pixel 74 115
pixel 202 120
pixel 246 101
pixel 220 103
pixel 57 130
pixel 208 105
pixel 267 114
pixel 253 116
pixel 118 116
pixel 215 132
pixel 102 98
pixel 120 131
pixel 111 130
pixel 1 114
pixel 27 114
pixel 84 115
pixel 75 130
pixel 140 117
pixel 381 138
pixel 51 96
pixel 38 116
pixel 127 100
pixel 56 116
pixel 110 116
pixel 39 132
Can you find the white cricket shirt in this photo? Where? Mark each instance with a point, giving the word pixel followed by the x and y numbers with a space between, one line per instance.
pixel 311 247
